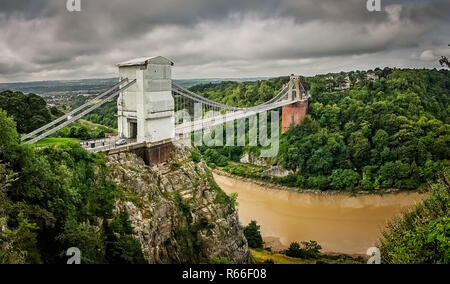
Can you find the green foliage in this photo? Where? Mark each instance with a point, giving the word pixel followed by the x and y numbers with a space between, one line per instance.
pixel 18 246
pixel 253 235
pixel 305 250
pixel 392 132
pixel 245 170
pixel 444 61
pixel 344 179
pixel 84 130
pixel 105 115
pixel 421 236
pixel 55 141
pixel 229 201
pixel 121 246
pixel 371 130
pixel 220 260
pixel 6 178
pixel 212 156
pixel 196 156
pixel 241 94
pixel 9 136
pixel 28 111
pixel 55 198
pixel 31 112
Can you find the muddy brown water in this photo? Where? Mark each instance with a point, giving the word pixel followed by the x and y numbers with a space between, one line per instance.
pixel 340 223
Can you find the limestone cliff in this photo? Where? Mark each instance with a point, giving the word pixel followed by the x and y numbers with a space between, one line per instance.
pixel 177 211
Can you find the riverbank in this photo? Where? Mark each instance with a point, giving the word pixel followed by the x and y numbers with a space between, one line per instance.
pixel 339 222
pixel 264 183
pixel 262 256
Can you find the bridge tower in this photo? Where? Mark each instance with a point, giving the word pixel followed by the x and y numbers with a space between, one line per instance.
pixel 294 114
pixel 146 109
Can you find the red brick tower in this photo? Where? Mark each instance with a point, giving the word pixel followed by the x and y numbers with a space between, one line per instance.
pixel 294 113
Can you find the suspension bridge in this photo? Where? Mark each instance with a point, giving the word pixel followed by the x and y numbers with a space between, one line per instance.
pixel 153 111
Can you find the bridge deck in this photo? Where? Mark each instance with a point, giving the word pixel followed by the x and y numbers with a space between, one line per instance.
pixel 207 123
pixel 108 145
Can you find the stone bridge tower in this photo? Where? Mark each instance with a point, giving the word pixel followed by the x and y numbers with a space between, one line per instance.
pixel 294 114
pixel 146 109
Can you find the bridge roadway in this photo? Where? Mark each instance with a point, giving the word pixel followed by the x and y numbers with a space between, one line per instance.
pixel 105 144
pixel 206 123
pixel 109 144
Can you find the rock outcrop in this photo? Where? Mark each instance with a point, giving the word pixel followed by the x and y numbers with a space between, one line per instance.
pixel 177 211
pixel 277 171
pixel 255 159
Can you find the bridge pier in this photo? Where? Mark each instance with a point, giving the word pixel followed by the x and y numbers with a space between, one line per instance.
pixel 294 113
pixel 152 153
pixel 146 110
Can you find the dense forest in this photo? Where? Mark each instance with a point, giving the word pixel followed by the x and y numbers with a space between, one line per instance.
pixel 30 111
pixel 55 198
pixel 365 130
pixel 106 115
pixel 243 94
pixel 389 133
pixel 421 236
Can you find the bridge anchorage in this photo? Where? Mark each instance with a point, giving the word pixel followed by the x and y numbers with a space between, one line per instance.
pixel 153 112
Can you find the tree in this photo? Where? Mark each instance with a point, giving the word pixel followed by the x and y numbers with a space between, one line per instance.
pixel 311 249
pixel 344 179
pixel 6 177
pixel 253 235
pixel 9 136
pixel 306 250
pixel 212 156
pixel 294 250
pixel 444 61
pixel 28 111
pixel 55 198
pixel 420 236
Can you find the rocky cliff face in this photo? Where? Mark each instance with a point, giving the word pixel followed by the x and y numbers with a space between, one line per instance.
pixel 177 211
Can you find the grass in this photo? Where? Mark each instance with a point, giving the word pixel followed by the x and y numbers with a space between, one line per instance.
pixel 55 141
pixel 245 170
pixel 262 255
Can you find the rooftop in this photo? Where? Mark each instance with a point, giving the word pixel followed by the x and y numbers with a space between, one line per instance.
pixel 145 60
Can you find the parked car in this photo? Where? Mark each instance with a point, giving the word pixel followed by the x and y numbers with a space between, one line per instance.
pixel 121 142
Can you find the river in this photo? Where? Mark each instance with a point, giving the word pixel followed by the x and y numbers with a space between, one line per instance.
pixel 338 222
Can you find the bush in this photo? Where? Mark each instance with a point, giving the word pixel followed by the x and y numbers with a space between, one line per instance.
pixel 305 250
pixel 62 199
pixel 212 156
pixel 253 235
pixel 294 250
pixel 344 179
pixel 196 156
pixel 421 236
pixel 220 260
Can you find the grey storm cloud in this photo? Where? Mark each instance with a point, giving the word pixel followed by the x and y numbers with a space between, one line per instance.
pixel 214 38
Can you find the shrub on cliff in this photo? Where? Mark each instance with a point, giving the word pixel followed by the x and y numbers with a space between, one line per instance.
pixel 305 250
pixel 253 235
pixel 421 236
pixel 56 198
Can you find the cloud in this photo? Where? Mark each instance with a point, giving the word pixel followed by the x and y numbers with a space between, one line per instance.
pixel 213 38
pixel 428 55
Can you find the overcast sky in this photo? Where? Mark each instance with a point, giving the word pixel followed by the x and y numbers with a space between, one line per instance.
pixel 41 40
